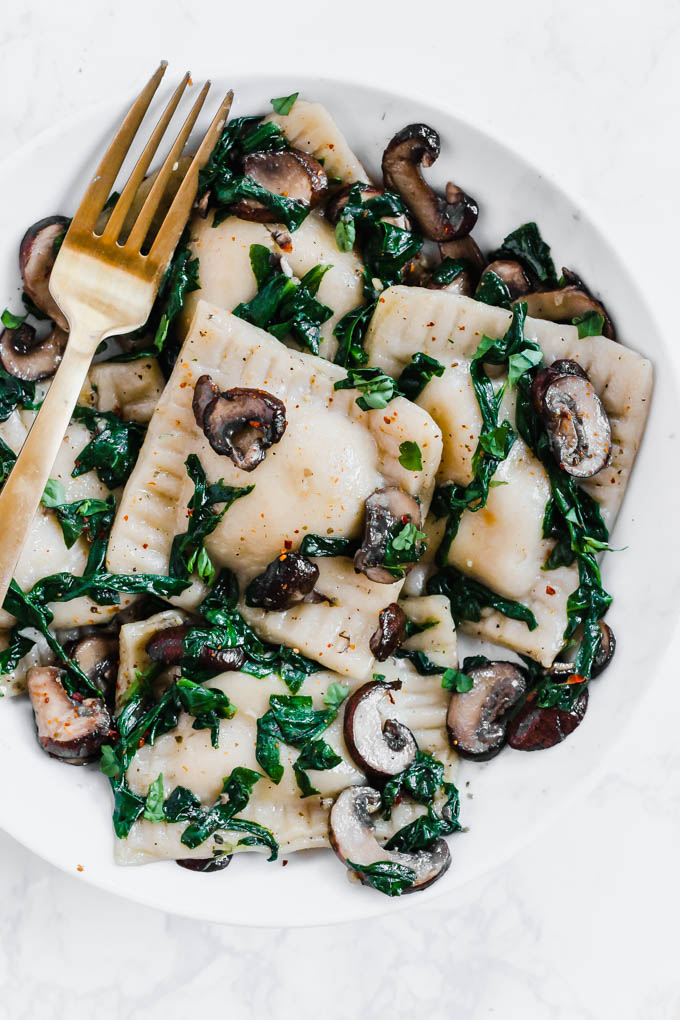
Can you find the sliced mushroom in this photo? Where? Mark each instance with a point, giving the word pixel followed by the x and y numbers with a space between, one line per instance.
pixel 564 304
pixel 291 173
pixel 97 655
pixel 37 255
pixel 30 359
pixel 416 146
pixel 380 747
pixel 205 865
pixel 383 509
pixel 605 652
pixel 535 729
pixel 465 248
pixel 69 728
pixel 240 423
pixel 351 834
pixel 391 632
pixel 288 579
pixel 167 646
pixel 339 201
pixel 512 274
pixel 576 422
pixel 477 719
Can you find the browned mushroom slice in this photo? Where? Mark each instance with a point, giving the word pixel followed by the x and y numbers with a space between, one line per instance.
pixel 465 248
pixel 383 509
pixel 205 391
pixel 240 423
pixel 564 304
pixel 512 274
pixel 535 729
pixel 380 747
pixel 205 865
pixel 605 652
pixel 576 422
pixel 167 646
pixel 351 834
pixel 97 655
pixel 69 729
pixel 37 253
pixel 477 719
pixel 288 580
pixel 30 359
pixel 390 634
pixel 290 173
pixel 416 146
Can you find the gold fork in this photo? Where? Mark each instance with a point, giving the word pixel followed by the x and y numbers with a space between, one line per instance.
pixel 103 287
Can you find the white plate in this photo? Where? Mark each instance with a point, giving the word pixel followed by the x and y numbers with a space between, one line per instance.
pixel 63 814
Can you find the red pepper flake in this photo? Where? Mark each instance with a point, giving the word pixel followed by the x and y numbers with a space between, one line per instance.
pixel 576 679
pixel 77 697
pixel 141 742
pixel 288 544
pixel 549 590
pixel 284 863
pixel 79 867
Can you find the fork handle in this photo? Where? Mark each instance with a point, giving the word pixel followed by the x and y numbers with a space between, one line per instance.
pixel 23 490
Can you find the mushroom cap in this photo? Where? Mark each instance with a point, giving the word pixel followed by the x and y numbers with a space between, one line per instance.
pixel 391 632
pixel 68 729
pixel 25 357
pixel 416 146
pixel 205 865
pixel 576 422
pixel 563 304
pixel 477 719
pixel 535 729
pixel 240 423
pixel 380 747
pixel 36 258
pixel 512 274
pixel 98 655
pixel 382 510
pixel 290 172
pixel 605 652
pixel 288 580
pixel 351 835
pixel 167 646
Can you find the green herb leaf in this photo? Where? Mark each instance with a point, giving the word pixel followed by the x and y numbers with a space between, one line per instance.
pixel 322 545
pixel 448 270
pixel 522 362
pixel 469 597
pixel 54 494
pixel 492 290
pixel 350 332
pixel 421 780
pixel 8 459
pixel 591 324
pixel 335 695
pixel 185 554
pixel 410 456
pixel 455 680
pixel 318 756
pixel 345 234
pixel 11 321
pixel 285 104
pixel 417 374
pixel 114 449
pixel 527 245
pixel 109 763
pixel 14 393
pixel 376 387
pixel 153 806
pixel 291 720
pixel 386 876
pixel 179 280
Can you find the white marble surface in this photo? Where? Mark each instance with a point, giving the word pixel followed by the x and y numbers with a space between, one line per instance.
pixel 583 924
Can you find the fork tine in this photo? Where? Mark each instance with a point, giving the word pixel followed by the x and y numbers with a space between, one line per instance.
pixel 107 171
pixel 175 220
pixel 143 221
pixel 122 206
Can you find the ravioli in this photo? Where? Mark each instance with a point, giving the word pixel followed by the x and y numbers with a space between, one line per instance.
pixel 502 545
pixel 310 127
pixel 316 480
pixel 226 276
pixel 185 757
pixel 130 389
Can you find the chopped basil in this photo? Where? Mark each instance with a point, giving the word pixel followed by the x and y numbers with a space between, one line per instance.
pixel 456 680
pixel 15 651
pixel 386 876
pixel 469 597
pixel 114 449
pixel 153 804
pixel 418 373
pixel 14 393
pixel 345 234
pixel 12 321
pixel 527 245
pixel 188 553
pixel 318 756
pixel 283 306
pixel 179 280
pixel 335 695
pixel 350 332
pixel 448 270
pixel 421 781
pixel 285 104
pixel 323 545
pixel 8 459
pixel 376 387
pixel 591 324
pixel 410 456
pixel 290 720
pixel 522 362
pixel 423 665
pixel 422 832
pixel 492 290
